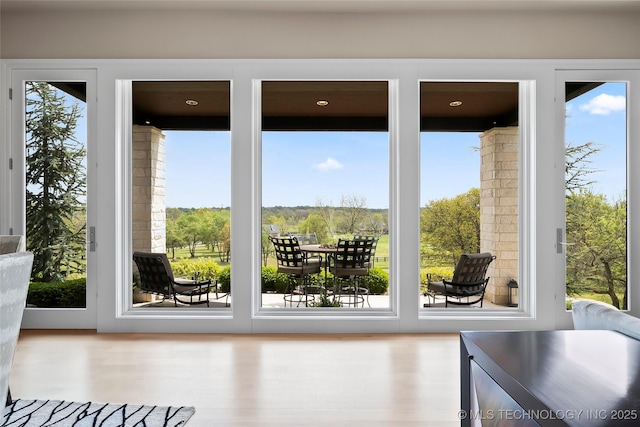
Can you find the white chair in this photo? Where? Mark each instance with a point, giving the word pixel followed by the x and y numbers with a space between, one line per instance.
pixel 15 271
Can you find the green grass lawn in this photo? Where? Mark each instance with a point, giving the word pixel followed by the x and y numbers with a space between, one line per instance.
pixel 592 296
pixel 201 252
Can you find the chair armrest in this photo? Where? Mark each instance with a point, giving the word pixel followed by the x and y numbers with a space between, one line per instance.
pixel 191 282
pixel 468 284
pixel 307 258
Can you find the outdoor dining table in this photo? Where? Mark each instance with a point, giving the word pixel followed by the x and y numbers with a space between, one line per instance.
pixel 326 249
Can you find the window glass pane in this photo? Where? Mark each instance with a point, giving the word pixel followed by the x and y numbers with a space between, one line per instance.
pixel 181 192
pixel 325 179
pixel 596 192
pixel 56 154
pixel 469 193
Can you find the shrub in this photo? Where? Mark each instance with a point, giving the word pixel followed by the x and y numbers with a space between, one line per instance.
pixel 436 274
pixel 378 281
pixel 224 279
pixel 282 283
pixel 270 279
pixel 70 293
pixel 203 268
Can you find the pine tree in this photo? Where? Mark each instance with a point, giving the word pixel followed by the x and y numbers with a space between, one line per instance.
pixel 56 184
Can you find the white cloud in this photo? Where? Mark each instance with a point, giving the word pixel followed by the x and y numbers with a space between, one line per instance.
pixel 604 104
pixel 329 164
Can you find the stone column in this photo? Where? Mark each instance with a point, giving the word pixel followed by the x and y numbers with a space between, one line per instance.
pixel 149 214
pixel 499 208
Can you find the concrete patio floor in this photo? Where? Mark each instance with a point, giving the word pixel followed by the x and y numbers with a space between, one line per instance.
pixel 273 300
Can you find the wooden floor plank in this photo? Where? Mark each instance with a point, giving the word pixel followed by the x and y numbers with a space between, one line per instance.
pixel 251 380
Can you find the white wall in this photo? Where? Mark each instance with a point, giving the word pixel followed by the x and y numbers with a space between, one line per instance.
pixel 209 33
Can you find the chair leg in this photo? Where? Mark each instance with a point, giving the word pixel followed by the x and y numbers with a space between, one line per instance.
pixel 367 290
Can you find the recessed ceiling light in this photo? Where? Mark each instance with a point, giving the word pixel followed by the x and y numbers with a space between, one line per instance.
pixel 322 103
pixel 191 102
pixel 455 103
pixel 147 122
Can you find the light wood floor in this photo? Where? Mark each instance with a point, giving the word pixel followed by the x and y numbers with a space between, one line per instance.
pixel 251 380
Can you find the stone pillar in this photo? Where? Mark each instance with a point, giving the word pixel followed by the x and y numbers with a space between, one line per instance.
pixel 499 208
pixel 149 214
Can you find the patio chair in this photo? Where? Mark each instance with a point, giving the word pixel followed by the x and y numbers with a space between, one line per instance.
pixel 156 277
pixel 350 267
pixel 298 266
pixel 369 256
pixel 469 281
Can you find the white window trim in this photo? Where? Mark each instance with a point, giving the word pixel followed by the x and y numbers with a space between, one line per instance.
pixel 391 312
pixel 14 192
pixel 537 245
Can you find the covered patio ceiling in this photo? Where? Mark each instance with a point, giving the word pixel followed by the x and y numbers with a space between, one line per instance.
pixel 350 105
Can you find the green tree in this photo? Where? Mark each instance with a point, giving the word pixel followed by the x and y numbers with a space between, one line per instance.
pixel 577 165
pixel 353 209
pixel 327 213
pixel 314 223
pixel 225 250
pixel 597 257
pixel 267 248
pixel 452 225
pixel 55 178
pixel 174 236
pixel 218 220
pixel 194 227
pixel 375 222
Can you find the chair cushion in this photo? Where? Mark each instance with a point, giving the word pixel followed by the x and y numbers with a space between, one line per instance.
pixel 439 288
pixel 347 271
pixel 311 267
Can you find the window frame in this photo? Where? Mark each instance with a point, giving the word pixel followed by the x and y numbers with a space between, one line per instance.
pixel 538 172
pixel 260 312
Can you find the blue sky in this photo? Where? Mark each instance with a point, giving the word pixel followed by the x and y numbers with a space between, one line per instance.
pixel 301 168
pixel 449 164
pixel 197 169
pixel 600 116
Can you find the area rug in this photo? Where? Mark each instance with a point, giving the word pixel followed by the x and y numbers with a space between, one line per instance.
pixel 57 413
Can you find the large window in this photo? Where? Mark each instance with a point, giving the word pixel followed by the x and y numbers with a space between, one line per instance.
pixel 595 245
pixel 56 192
pixel 205 163
pixel 469 195
pixel 181 187
pixel 325 180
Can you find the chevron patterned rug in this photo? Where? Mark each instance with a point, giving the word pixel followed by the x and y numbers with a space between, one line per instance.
pixel 43 413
